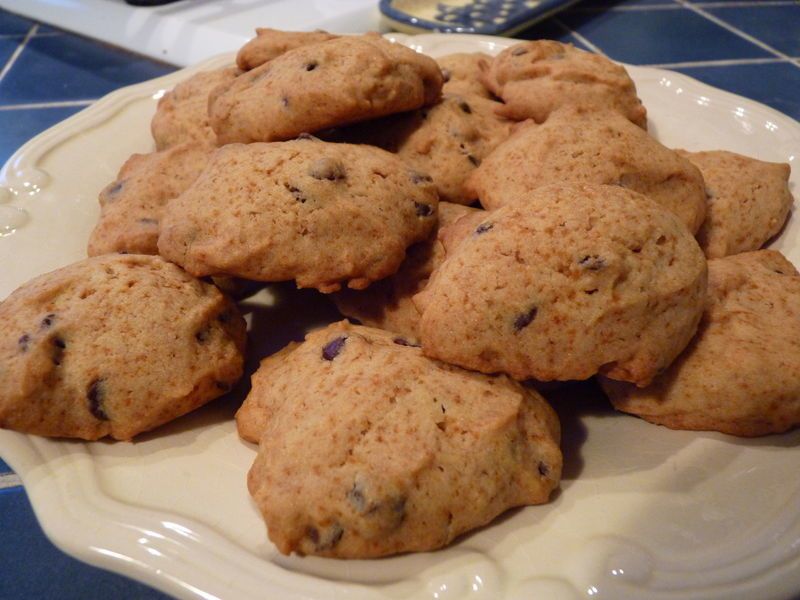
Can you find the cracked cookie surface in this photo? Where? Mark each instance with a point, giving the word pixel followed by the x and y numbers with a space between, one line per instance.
pixel 536 78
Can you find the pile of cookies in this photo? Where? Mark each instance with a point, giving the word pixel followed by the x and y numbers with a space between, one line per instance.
pixel 486 224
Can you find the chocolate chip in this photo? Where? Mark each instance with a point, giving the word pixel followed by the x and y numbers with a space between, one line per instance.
pixel 778 271
pixel 590 292
pixel 115 188
pixel 202 335
pixel 525 319
pixel 399 508
pixel 483 228
pixel 296 193
pixel 423 210
pixel 224 316
pixel 404 342
pixel 544 470
pixel 356 497
pixel 58 351
pixel 465 107
pixel 592 262
pixel 47 322
pixel 23 342
pixel 313 535
pixel 331 537
pixel 474 160
pixel 417 178
pixel 446 75
pixel 519 51
pixel 327 168
pixel 332 349
pixel 96 396
pixel 311 65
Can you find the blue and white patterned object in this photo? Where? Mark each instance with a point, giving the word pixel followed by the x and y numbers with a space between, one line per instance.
pixel 488 17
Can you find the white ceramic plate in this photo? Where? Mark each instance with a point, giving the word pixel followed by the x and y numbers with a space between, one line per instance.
pixel 643 512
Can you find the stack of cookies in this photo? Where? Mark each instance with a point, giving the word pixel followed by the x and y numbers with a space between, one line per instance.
pixel 484 222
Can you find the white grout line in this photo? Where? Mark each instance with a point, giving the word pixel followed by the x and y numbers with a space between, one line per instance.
pixel 60 104
pixel 674 6
pixel 736 31
pixel 632 8
pixel 31 32
pixel 11 36
pixel 9 480
pixel 578 36
pixel 716 63
pixel 745 3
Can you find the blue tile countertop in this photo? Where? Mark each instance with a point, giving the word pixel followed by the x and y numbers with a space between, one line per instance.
pixel 751 48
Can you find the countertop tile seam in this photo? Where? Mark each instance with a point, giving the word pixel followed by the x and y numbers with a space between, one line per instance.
pixel 742 4
pixel 583 39
pixel 632 8
pixel 736 31
pixel 9 480
pixel 54 104
pixel 17 51
pixel 720 63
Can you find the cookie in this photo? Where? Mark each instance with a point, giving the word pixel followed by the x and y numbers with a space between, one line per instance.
pixel 271 43
pixel 131 207
pixel 367 448
pixel 387 304
pixel 569 281
pixel 318 86
pixel 741 373
pixel 581 147
pixel 538 77
pixel 113 346
pixel 321 214
pixel 449 140
pixel 182 114
pixel 748 201
pixel 463 74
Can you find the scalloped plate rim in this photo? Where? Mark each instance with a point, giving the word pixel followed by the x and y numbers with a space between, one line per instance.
pixel 35 458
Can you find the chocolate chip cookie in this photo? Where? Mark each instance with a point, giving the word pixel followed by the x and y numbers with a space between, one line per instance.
pixel 182 114
pixel 113 346
pixel 748 201
pixel 535 78
pixel 271 43
pixel 368 448
pixel 321 214
pixel 387 304
pixel 131 207
pixel 576 146
pixel 318 86
pixel 567 282
pixel 741 373
pixel 463 74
